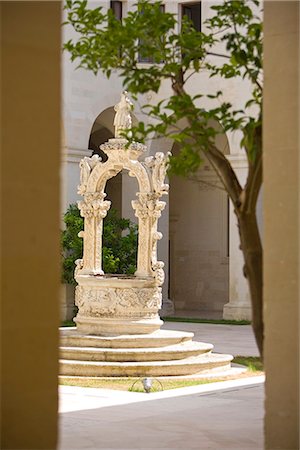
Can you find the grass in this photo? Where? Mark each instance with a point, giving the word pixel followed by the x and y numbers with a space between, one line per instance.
pixel 70 323
pixel 126 384
pixel 253 363
pixel 213 321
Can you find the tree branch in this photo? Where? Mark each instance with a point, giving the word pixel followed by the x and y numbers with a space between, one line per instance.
pixel 218 54
pixel 219 162
pixel 206 183
pixel 190 75
pixel 226 174
pixel 253 185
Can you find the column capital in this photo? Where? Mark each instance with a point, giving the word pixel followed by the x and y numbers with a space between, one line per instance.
pixel 148 206
pixel 93 205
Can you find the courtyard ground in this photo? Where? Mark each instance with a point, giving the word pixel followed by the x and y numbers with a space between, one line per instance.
pixel 225 415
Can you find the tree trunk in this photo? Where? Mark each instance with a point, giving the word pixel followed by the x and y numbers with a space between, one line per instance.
pixel 252 250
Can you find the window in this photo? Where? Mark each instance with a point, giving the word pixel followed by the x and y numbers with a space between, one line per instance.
pixel 117 9
pixel 193 12
pixel 148 59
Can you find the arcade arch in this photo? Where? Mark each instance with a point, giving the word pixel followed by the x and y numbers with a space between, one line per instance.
pixel 198 278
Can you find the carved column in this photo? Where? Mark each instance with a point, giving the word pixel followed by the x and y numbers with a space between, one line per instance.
pixel 157 266
pixel 93 209
pixel 141 209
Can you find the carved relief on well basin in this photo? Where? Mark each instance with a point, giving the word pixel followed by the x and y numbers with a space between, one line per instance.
pixel 118 304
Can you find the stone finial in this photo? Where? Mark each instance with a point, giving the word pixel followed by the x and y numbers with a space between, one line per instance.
pixel 123 119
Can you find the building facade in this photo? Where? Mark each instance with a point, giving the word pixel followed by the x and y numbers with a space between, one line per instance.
pixel 200 245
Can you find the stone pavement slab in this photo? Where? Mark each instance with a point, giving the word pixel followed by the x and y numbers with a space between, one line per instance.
pixel 197 417
pixel 232 339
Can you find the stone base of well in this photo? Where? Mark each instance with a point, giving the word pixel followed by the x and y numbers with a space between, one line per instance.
pixel 161 353
pixel 111 305
pixel 115 327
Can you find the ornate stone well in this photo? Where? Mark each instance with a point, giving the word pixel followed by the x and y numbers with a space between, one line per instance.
pixel 119 304
pixel 118 327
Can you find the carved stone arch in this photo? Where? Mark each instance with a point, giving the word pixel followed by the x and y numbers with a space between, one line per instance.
pixel 103 172
pixel 101 131
pixel 150 176
pixel 141 173
pixel 120 158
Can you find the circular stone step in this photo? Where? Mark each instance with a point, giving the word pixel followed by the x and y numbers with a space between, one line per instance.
pixel 187 366
pixel 167 353
pixel 161 338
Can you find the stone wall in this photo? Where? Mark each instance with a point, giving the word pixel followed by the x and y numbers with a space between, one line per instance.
pixel 198 246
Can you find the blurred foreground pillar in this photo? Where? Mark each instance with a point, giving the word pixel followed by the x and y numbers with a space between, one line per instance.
pixel 281 223
pixel 30 147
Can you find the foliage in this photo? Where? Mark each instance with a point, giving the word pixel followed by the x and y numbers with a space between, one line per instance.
pixel 253 363
pixel 230 46
pixel 106 44
pixel 68 323
pixel 120 240
pixel 119 249
pixel 72 244
pixel 214 321
pixel 126 383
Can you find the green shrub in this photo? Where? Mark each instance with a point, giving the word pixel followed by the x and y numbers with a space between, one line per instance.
pixel 119 244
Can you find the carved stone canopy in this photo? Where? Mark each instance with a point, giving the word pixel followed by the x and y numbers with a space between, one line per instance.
pixel 95 173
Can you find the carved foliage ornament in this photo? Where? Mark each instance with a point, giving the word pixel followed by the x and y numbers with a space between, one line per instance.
pixel 148 206
pixel 93 207
pixel 121 302
pixel 159 166
pixel 86 166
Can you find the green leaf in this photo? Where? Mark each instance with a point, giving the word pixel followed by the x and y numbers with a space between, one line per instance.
pixel 104 44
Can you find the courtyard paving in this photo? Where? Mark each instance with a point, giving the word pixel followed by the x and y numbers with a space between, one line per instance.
pixel 233 339
pixel 226 415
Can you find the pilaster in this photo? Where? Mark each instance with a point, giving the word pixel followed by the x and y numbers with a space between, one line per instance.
pixel 239 305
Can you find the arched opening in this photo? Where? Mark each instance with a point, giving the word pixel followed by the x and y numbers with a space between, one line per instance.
pixel 199 241
pixel 101 132
pixel 120 231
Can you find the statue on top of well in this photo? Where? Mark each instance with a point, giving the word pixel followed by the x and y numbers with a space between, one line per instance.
pixel 123 119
